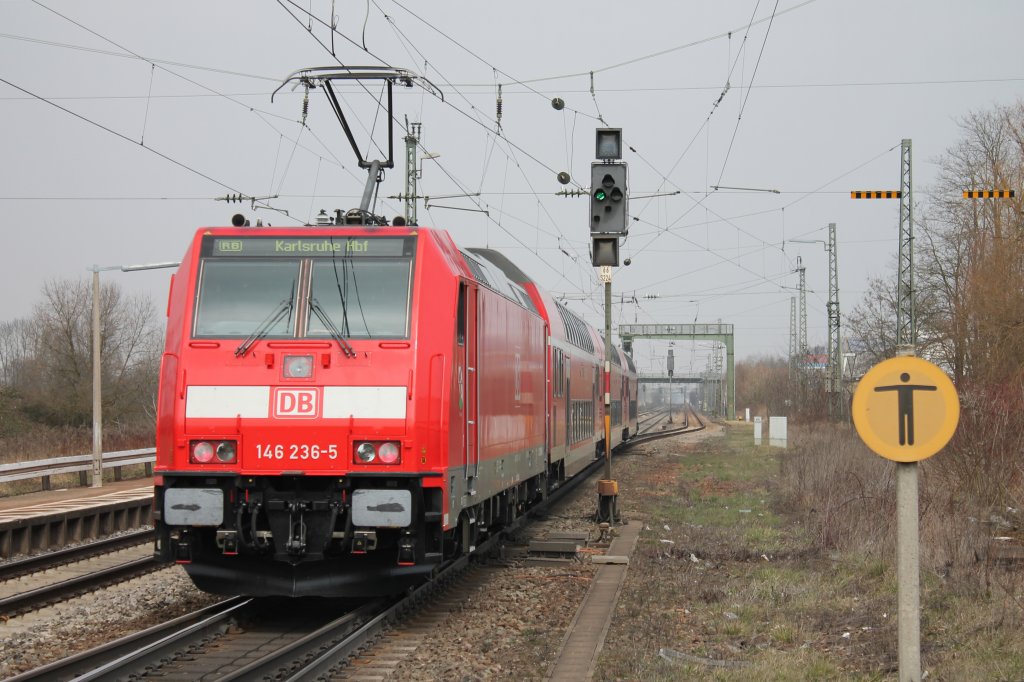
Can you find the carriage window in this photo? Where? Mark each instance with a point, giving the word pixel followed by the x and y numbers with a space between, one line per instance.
pixel 238 297
pixel 364 298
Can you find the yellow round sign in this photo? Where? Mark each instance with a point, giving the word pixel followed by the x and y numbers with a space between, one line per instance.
pixel 906 409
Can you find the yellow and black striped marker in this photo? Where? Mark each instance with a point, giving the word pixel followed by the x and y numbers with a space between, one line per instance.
pixel 889 194
pixel 989 193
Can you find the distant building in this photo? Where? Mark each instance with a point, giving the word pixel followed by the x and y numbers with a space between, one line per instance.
pixel 816 361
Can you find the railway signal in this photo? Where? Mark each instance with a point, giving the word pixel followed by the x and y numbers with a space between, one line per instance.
pixel 989 193
pixel 671 370
pixel 608 222
pixel 608 199
pixel 609 144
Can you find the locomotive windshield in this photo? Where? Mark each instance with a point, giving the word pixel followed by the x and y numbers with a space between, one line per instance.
pixel 238 296
pixel 364 299
pixel 304 287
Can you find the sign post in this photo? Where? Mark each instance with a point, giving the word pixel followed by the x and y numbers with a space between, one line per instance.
pixel 906 409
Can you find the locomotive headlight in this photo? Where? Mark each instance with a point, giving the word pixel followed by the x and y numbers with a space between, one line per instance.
pixel 298 366
pixel 202 452
pixel 388 453
pixel 366 453
pixel 213 452
pixel 226 451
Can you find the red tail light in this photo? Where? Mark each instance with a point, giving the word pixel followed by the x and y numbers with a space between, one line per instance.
pixel 388 453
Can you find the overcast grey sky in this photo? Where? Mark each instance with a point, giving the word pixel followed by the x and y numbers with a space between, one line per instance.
pixel 826 88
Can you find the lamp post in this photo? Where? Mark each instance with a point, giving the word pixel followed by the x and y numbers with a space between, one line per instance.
pixel 97 374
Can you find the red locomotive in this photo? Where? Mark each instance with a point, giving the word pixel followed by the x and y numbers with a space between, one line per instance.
pixel 344 407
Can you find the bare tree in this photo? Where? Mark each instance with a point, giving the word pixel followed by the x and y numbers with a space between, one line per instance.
pixel 973 250
pixel 969 256
pixel 762 384
pixel 16 351
pixel 56 377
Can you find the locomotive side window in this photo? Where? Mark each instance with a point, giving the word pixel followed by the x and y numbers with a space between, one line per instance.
pixel 363 298
pixel 237 297
pixel 461 316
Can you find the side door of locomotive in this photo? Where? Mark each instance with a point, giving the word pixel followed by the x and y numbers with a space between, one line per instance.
pixel 466 366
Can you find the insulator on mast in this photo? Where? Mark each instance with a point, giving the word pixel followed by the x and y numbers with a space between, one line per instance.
pixel 499 103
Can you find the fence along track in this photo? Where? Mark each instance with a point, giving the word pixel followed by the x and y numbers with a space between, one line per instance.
pixel 80 464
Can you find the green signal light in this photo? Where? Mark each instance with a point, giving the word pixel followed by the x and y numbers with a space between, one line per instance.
pixel 600 195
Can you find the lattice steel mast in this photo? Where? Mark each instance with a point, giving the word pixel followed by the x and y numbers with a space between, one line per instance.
pixel 794 347
pixel 801 362
pixel 906 324
pixel 837 400
pixel 411 141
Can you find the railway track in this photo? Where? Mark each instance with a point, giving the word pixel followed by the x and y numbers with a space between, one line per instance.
pixel 649 432
pixel 192 646
pixel 37 581
pixel 244 638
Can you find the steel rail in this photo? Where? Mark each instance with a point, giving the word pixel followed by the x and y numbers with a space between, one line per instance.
pixel 657 435
pixel 338 655
pixel 82 666
pixel 318 655
pixel 60 557
pixel 312 644
pixel 49 594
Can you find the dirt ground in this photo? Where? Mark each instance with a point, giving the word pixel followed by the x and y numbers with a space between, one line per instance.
pixel 727 585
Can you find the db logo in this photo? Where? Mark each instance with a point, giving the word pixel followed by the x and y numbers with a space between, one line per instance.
pixel 297 403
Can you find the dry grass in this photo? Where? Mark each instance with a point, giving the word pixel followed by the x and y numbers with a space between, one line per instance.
pixel 42 442
pixel 760 564
pixel 45 442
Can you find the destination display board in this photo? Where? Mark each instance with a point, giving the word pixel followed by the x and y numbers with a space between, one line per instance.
pixel 307 247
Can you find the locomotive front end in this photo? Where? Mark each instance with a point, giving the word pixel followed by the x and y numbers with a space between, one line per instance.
pixel 294 456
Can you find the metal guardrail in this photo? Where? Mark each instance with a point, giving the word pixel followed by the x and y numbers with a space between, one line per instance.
pixel 45 468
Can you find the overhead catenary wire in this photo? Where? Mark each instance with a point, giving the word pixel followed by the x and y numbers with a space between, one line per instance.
pixel 148 148
pixel 503 194
pixel 661 53
pixel 671 227
pixel 537 225
pixel 497 134
pixel 441 166
pixel 261 115
pixel 463 47
pixel 506 92
pixel 743 106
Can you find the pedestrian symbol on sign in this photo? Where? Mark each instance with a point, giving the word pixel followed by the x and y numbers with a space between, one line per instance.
pixel 906 405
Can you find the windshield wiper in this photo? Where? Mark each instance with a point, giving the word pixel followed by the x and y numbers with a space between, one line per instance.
pixel 331 328
pixel 283 308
